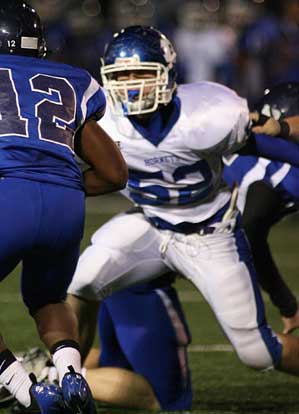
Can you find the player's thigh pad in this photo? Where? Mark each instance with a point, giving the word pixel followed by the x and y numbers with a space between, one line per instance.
pixel 123 251
pixel 220 267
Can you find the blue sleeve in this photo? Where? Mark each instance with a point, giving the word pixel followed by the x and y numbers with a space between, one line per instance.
pixel 92 98
pixel 277 149
pixel 96 105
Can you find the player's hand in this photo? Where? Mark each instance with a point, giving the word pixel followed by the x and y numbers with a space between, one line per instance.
pixel 270 127
pixel 290 324
pixel 254 117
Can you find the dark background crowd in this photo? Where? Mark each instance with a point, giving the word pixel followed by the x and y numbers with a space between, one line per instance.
pixel 248 45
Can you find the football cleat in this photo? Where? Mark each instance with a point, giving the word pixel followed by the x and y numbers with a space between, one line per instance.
pixel 45 399
pixel 76 394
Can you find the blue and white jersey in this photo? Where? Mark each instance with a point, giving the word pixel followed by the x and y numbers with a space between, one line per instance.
pixel 42 104
pixel 245 170
pixel 175 172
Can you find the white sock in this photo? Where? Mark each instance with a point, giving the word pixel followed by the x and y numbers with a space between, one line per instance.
pixel 16 380
pixel 52 374
pixel 65 357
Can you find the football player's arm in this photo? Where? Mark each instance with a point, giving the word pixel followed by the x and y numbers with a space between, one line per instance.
pixel 279 150
pixel 108 171
pixel 287 128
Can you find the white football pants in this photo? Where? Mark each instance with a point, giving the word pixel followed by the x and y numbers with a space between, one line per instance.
pixel 129 249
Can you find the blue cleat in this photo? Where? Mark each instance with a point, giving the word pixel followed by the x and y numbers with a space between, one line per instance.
pixel 76 394
pixel 48 398
pixel 45 399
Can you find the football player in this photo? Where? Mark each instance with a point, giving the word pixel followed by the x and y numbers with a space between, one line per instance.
pixel 47 110
pixel 173 139
pixel 143 360
pixel 268 191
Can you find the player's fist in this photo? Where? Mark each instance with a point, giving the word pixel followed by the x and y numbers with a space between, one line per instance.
pixel 264 125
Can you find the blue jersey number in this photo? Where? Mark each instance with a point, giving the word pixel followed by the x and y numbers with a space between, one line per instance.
pixel 55 113
pixel 159 195
pixel 11 121
pixel 54 116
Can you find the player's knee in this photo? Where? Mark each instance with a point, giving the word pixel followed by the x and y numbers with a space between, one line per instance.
pixel 254 359
pixel 259 350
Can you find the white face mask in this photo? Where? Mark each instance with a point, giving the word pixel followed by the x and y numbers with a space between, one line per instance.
pixel 138 96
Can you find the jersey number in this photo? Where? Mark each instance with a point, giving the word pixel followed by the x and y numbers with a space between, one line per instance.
pixel 159 195
pixel 10 114
pixel 54 113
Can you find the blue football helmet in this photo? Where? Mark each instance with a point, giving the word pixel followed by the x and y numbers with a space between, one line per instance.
pixel 282 100
pixel 139 48
pixel 21 31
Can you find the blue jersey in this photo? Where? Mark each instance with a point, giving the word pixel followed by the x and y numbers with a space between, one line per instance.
pixel 42 105
pixel 244 170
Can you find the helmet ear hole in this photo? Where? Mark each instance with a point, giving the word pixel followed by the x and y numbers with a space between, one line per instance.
pixel 21 31
pixel 151 57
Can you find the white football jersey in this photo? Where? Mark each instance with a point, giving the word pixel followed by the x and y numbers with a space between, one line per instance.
pixel 179 178
pixel 176 177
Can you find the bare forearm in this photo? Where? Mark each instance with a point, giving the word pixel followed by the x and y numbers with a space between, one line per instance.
pixel 108 170
pixel 96 185
pixel 121 388
pixel 294 127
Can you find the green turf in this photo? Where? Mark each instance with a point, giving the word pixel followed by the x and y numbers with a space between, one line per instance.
pixel 221 383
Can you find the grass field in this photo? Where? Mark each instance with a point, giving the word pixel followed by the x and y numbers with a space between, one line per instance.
pixel 222 385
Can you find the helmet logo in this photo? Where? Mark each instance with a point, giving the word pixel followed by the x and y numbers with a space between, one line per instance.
pixel 168 51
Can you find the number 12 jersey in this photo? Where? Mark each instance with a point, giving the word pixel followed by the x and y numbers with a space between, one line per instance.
pixel 42 105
